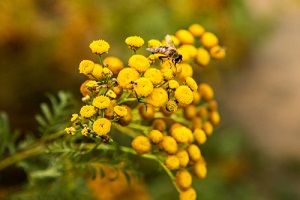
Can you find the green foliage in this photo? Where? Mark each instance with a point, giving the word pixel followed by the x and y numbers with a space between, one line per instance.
pixel 54 116
pixel 8 138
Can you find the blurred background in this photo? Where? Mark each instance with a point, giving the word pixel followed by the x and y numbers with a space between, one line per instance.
pixel 254 153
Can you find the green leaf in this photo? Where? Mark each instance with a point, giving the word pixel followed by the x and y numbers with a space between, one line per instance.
pixel 101 171
pixel 46 111
pixel 127 176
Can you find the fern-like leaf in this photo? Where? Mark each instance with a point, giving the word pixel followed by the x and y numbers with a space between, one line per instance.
pixel 8 139
pixel 55 116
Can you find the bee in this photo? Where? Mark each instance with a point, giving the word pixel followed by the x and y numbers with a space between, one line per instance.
pixel 168 51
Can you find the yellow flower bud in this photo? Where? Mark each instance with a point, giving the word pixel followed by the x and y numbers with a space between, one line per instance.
pixel 209 39
pixel 183 179
pixel 141 144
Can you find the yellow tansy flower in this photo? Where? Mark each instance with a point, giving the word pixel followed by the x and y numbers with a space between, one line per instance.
pixel 85 131
pixel 141 144
pixel 143 87
pixel 209 39
pixel 202 57
pixel 217 52
pixel 126 77
pixel 172 162
pixel 194 152
pixel 146 112
pixel 114 64
pixel 184 94
pixel 99 47
pixel 200 136
pixel 154 43
pixel 127 119
pixel 139 62
pixel 214 117
pixel 212 105
pixel 102 126
pixel 134 42
pixel 183 157
pixel 91 84
pixel 183 179
pixel 185 37
pixel 180 134
pixel 158 97
pixel 185 54
pixel 206 92
pixel 190 49
pixel 208 128
pixel 111 94
pixel 167 73
pixel 196 29
pixel 171 106
pixel 74 118
pixel 191 83
pixel 187 70
pixel 189 194
pixel 196 123
pixel 154 75
pixel 156 136
pixel 169 144
pixel 86 67
pixel 97 72
pixel 159 124
pixel 200 169
pixel 101 102
pixel 190 112
pixel 120 111
pixel 173 84
pixel 84 89
pixel 196 97
pixel 70 130
pixel 87 111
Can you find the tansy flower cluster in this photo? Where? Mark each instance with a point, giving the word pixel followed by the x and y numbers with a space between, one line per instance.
pixel 156 97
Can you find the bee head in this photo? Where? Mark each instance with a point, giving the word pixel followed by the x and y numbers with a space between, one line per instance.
pixel 178 58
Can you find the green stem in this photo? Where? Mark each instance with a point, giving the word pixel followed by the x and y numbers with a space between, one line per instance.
pixel 101 60
pixel 126 100
pixel 36 148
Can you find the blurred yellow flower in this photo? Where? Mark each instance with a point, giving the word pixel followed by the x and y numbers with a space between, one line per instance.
pixel 209 39
pixel 200 136
pixel 189 194
pixel 141 144
pixel 196 29
pixel 183 179
pixel 155 136
pixel 206 92
pixel 172 162
pixel 169 144
pixel 183 157
pixel 202 57
pixel 200 169
pixel 194 152
pixel 184 36
pixel 217 52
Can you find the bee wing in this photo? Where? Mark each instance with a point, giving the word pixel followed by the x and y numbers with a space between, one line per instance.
pixel 170 42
